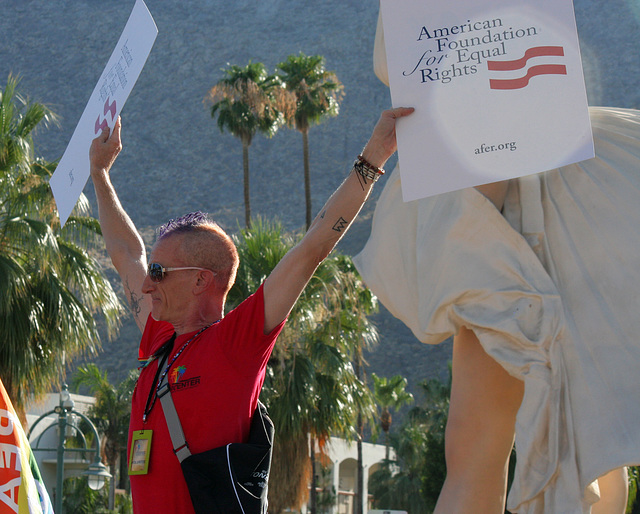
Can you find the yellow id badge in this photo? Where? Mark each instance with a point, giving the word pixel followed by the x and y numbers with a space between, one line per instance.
pixel 140 452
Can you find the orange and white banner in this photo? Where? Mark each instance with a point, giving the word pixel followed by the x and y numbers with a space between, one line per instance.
pixel 21 487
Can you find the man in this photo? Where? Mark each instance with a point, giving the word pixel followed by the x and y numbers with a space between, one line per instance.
pixel 217 365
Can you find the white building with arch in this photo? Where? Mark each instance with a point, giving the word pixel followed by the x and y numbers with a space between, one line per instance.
pixel 341 471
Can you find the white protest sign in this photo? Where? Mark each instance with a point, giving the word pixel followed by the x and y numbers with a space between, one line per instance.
pixel 497 86
pixel 104 106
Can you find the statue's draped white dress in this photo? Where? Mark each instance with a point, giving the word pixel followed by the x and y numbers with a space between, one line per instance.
pixel 551 288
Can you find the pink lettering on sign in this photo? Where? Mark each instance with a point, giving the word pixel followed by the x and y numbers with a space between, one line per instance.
pixel 101 122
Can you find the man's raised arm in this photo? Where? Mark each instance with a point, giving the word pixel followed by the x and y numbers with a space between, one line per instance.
pixel 124 244
pixel 283 287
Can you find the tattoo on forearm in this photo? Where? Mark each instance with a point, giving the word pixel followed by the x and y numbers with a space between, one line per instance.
pixel 322 215
pixel 134 301
pixel 340 224
pixel 362 181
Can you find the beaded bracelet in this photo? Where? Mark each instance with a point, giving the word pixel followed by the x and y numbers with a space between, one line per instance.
pixel 367 170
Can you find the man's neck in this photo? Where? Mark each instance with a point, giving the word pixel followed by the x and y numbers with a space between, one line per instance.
pixel 198 322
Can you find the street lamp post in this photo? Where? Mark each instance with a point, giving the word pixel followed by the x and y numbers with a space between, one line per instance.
pixel 96 472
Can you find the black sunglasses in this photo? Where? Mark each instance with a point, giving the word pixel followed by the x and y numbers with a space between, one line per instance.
pixel 157 272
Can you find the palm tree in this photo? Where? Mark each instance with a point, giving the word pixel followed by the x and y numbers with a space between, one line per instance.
pixel 356 325
pixel 110 414
pixel 311 388
pixel 398 485
pixel 413 481
pixel 248 100
pixel 390 394
pixel 430 418
pixel 318 93
pixel 51 285
pixel 341 397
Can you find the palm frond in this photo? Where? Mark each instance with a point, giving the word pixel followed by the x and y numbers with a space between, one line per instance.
pixel 50 286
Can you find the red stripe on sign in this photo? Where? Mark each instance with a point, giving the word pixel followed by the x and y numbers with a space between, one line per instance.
pixel 544 69
pixel 538 51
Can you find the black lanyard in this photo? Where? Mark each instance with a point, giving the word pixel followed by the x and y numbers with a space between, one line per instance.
pixel 164 351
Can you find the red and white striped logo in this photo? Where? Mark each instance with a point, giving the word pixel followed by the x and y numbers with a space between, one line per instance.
pixel 531 71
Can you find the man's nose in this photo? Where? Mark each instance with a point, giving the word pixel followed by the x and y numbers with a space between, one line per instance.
pixel 148 285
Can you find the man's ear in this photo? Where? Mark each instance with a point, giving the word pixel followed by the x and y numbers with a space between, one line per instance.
pixel 206 280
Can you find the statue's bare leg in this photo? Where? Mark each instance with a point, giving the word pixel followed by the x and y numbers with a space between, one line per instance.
pixel 614 493
pixel 480 430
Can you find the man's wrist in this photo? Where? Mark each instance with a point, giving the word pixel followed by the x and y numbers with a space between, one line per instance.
pixel 367 170
pixel 373 157
pixel 99 174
